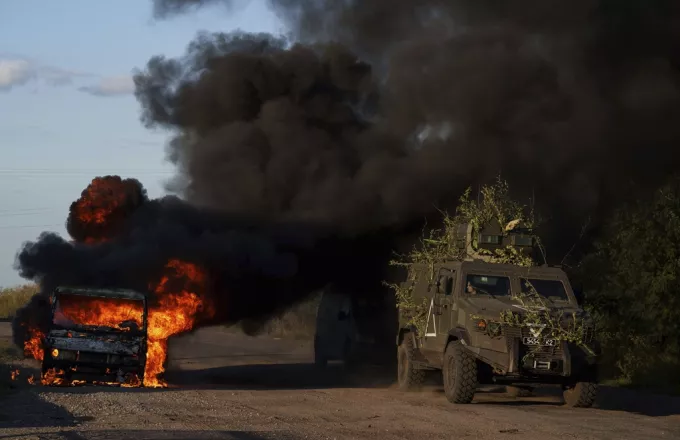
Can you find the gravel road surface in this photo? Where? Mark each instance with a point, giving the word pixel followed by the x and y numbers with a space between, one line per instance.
pixel 230 386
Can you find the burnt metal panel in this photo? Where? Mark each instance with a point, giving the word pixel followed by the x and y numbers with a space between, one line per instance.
pixel 94 345
pixel 103 293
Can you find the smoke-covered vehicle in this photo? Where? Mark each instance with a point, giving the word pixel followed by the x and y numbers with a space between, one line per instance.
pixel 481 327
pixel 353 329
pixel 95 336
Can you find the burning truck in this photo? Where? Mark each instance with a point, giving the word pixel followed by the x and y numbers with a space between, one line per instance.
pixel 96 336
pixel 90 333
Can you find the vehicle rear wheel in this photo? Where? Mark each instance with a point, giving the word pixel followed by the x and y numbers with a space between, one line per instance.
pixel 409 377
pixel 459 373
pixel 580 395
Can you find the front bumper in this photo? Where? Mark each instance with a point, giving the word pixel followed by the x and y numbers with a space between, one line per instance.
pixel 93 366
pixel 563 359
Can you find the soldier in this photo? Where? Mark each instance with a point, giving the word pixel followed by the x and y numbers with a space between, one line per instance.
pixel 470 289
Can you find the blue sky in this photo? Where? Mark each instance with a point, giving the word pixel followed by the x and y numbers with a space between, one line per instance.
pixel 67 112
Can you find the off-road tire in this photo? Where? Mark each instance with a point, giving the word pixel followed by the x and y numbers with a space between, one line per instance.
pixel 580 395
pixel 408 376
pixel 518 391
pixel 459 374
pixel 320 361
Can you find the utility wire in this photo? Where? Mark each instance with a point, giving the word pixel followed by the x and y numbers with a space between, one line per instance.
pixel 28 226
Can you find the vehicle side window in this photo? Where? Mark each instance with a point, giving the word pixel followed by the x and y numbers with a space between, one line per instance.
pixel 487 285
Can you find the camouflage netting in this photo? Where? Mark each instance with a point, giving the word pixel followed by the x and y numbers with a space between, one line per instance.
pixel 494 206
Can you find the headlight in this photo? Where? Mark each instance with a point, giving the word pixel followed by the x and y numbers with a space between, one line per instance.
pixel 63 355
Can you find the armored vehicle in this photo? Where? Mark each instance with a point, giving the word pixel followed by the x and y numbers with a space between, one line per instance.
pixel 470 338
pixel 96 335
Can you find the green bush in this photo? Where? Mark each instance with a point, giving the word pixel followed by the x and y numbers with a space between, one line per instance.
pixel 631 283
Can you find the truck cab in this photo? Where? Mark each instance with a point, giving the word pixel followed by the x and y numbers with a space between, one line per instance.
pixel 95 335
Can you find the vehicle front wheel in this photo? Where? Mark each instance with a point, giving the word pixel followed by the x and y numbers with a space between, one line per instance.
pixel 459 373
pixel 409 377
pixel 580 395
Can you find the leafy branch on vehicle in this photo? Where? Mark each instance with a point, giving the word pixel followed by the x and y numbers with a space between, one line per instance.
pixel 444 244
pixel 556 325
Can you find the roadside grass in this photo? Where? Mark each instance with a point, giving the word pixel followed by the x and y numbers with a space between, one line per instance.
pixel 13 298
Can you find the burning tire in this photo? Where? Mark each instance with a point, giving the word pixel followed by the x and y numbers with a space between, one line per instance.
pixel 460 374
pixel 409 377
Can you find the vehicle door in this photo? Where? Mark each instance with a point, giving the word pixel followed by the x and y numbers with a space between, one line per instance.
pixel 440 310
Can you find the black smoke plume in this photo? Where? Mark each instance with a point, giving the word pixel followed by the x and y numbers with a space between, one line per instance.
pixel 302 162
pixel 571 102
pixel 254 269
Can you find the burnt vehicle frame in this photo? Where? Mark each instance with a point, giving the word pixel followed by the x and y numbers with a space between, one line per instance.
pixel 96 354
pixel 467 342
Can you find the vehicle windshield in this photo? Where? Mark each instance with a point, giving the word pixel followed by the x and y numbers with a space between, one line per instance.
pixel 487 285
pixel 552 290
pixel 77 311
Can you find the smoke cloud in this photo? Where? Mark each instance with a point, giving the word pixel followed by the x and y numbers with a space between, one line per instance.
pixel 384 109
pixel 123 239
pixel 305 161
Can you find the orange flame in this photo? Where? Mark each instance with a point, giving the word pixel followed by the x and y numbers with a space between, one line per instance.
pixel 100 312
pixel 14 374
pixel 53 376
pixel 180 301
pixel 175 312
pixel 33 346
pixel 99 200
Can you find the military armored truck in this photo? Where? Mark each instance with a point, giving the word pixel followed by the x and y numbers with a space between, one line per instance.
pixel 477 328
pixel 83 350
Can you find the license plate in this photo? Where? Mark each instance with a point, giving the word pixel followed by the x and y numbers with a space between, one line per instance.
pixel 540 341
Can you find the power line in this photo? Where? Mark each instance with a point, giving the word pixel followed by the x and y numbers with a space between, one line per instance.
pixel 28 226
pixel 21 214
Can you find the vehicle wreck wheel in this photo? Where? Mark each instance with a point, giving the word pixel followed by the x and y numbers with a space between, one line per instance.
pixel 580 395
pixel 409 377
pixel 459 374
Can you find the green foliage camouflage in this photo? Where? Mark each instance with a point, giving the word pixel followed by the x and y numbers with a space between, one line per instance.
pixel 440 245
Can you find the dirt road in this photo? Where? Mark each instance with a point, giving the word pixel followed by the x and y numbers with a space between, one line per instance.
pixel 230 386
